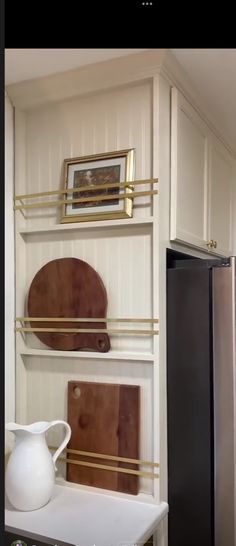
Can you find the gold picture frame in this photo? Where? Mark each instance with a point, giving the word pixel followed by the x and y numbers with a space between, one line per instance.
pixel 101 186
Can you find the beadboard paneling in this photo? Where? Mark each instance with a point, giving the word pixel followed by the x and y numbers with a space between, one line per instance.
pixel 121 257
pixel 121 254
pixel 47 381
pixel 114 120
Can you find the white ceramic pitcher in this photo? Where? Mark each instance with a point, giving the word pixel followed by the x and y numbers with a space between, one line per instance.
pixel 30 473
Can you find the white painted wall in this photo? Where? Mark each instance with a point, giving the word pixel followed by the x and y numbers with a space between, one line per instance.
pixel 9 271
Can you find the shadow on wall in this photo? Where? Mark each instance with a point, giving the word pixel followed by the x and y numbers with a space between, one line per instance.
pixel 9 443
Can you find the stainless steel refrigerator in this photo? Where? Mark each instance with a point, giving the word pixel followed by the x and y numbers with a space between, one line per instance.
pixel 201 400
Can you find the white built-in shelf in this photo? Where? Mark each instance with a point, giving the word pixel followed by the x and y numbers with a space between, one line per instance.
pixel 75 226
pixel 110 355
pixel 67 518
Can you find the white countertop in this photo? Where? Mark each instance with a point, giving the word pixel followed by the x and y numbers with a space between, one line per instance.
pixel 85 518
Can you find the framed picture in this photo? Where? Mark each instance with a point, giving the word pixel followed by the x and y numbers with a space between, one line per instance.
pixel 93 184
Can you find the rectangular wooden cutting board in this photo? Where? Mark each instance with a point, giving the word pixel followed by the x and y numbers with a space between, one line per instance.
pixel 104 418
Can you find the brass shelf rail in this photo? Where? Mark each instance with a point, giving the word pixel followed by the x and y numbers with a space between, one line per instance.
pixel 130 185
pixel 111 458
pixel 111 331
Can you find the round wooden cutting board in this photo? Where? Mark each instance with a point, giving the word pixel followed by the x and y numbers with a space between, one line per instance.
pixel 69 288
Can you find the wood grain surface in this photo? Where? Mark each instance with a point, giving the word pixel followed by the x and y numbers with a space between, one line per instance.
pixel 104 418
pixel 69 288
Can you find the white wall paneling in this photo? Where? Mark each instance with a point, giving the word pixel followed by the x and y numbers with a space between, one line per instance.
pixel 161 160
pixel 46 393
pixel 9 270
pixel 121 256
pixel 109 121
pixel 121 252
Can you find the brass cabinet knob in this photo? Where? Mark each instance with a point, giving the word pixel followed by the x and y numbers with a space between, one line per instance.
pixel 210 243
pixel 215 244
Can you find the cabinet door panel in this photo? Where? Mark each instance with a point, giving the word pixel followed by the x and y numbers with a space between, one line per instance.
pixel 188 173
pixel 220 197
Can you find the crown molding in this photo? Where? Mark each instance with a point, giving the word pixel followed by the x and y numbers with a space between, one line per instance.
pixel 87 79
pixel 98 77
pixel 173 72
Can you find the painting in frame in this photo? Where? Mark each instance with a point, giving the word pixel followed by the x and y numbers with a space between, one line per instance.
pixel 84 178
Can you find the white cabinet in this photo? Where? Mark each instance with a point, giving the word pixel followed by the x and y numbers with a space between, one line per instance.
pixel 220 197
pixel 188 173
pixel 201 182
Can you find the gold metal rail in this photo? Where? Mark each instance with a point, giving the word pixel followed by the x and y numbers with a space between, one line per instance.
pixel 88 188
pixel 90 331
pixel 108 457
pixel 126 195
pixel 85 200
pixel 90 319
pixel 111 468
pixel 112 458
pixel 111 331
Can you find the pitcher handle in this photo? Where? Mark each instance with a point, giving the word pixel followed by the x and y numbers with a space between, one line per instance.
pixel 65 441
